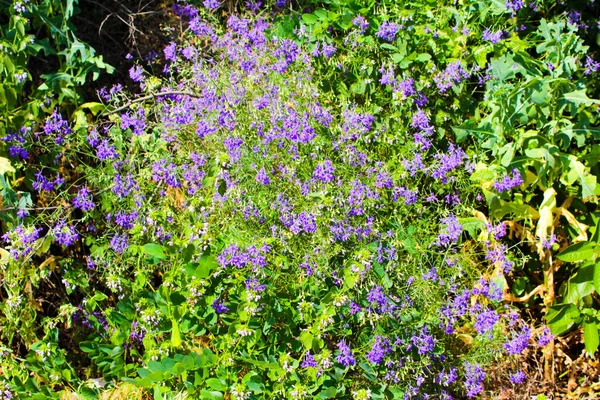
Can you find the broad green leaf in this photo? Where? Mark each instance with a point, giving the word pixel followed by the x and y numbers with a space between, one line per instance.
pixel 590 336
pixel 581 285
pixel 562 317
pixel 5 166
pixel 310 19
pixel 211 395
pixel 155 250
pixel 587 181
pixel 579 97
pixel 579 252
pixel 216 384
pixel 306 338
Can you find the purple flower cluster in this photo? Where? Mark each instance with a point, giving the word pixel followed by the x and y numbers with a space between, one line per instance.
pixel 517 377
pixel 519 342
pixel 508 182
pixel 105 151
pixel 124 185
pixel 65 235
pixel 41 183
pixel 591 66
pixel 485 322
pixel 253 256
pixel 451 232
pixel 324 172
pixel 83 200
pixel 545 337
pixel 493 37
pixel 119 242
pixel 361 23
pixel 164 171
pixel 388 31
pixel 309 361
pixel 345 356
pixel 380 302
pixel 380 349
pixel 219 306
pixel 452 75
pixel 514 5
pixel 136 73
pixel 21 240
pixel 17 142
pixel 55 124
pixel 474 377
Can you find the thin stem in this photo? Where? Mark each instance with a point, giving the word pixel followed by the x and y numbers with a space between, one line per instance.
pixel 150 96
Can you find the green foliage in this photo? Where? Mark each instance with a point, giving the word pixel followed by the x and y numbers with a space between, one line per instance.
pixel 35 31
pixel 194 238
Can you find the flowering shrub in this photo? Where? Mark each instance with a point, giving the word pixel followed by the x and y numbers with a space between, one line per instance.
pixel 268 217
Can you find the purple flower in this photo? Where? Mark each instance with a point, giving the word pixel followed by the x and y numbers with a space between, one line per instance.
pixel 170 52
pixel 380 349
pixel 514 5
pixel 56 124
pixel 309 361
pixel 211 4
pixel 345 356
pixel 406 87
pixel 379 300
pixel 324 171
pixel 451 232
pixel 508 182
pixel 361 23
pixel 453 74
pixel 262 177
pixel 545 337
pixel 105 151
pixel 327 50
pixel 136 73
pixel 219 306
pixel 83 200
pixel 517 377
pixel 65 235
pixel 493 37
pixel 518 343
pixel 486 321
pixel 119 243
pixel 591 65
pixel 388 30
pixel 354 308
pixel 474 376
pixel 420 120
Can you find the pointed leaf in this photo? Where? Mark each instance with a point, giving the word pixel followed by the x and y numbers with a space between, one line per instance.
pixel 590 337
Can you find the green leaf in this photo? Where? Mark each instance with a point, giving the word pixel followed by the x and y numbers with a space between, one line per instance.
pixel 216 384
pixel 94 107
pixel 587 180
pixel 310 19
pixel 578 97
pixel 597 277
pixel 175 336
pixel 211 395
pixel 590 336
pixel 581 285
pixel 562 317
pixel 423 57
pixel 5 166
pixel 579 252
pixel 306 338
pixel 155 250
